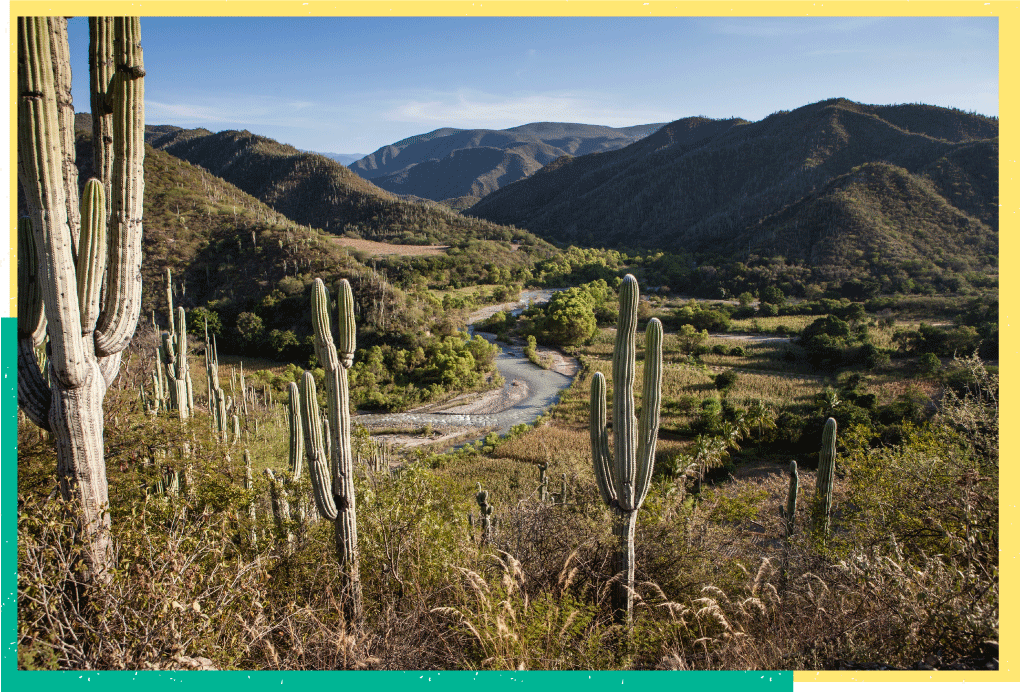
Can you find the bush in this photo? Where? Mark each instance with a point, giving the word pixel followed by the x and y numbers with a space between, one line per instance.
pixel 725 381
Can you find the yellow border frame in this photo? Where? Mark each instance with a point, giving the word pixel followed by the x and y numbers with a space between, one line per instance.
pixel 1009 47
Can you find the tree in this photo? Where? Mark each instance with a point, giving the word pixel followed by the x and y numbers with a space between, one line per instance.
pixel 88 324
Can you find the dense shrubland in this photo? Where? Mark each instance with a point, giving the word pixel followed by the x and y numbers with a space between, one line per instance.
pixel 718 584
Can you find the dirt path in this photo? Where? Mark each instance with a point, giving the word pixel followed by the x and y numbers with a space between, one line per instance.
pixel 527 393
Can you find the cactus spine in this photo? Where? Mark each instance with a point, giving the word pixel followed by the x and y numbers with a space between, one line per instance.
pixel 87 331
pixel 791 499
pixel 334 485
pixel 624 476
pixel 826 472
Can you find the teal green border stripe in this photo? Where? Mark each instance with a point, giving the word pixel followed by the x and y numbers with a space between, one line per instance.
pixel 155 681
pixel 9 497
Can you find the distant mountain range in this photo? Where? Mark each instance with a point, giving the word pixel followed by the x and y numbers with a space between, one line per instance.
pixel 459 167
pixel 345 159
pixel 833 184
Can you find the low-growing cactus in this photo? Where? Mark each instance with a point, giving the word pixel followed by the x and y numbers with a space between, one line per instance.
pixel 624 476
pixel 826 472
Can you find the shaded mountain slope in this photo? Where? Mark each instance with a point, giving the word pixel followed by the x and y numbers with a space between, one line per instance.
pixel 314 190
pixel 699 184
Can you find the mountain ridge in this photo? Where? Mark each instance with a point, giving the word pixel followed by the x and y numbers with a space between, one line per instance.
pixel 446 177
pixel 701 184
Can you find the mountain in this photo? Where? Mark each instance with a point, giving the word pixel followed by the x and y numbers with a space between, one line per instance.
pixel 830 182
pixel 314 190
pixel 458 167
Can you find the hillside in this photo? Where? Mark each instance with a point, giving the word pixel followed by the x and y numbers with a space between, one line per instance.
pixel 738 188
pixel 312 189
pixel 460 167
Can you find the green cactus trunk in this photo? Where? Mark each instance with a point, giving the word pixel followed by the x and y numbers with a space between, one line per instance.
pixel 791 499
pixel 624 477
pixel 334 491
pixel 87 332
pixel 826 472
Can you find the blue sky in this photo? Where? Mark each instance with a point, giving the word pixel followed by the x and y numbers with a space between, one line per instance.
pixel 351 85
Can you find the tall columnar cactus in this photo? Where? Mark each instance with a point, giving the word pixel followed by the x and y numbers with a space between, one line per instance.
pixel 174 353
pixel 88 329
pixel 334 486
pixel 826 472
pixel 543 482
pixel 297 433
pixel 791 499
pixel 624 476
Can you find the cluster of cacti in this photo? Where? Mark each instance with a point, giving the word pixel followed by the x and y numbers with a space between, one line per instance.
pixel 332 474
pixel 624 476
pixel 826 472
pixel 91 304
pixel 791 499
pixel 218 404
pixel 560 498
pixel 376 458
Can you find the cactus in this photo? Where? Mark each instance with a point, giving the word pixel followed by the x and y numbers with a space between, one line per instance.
pixel 791 499
pixel 826 471
pixel 297 435
pixel 281 506
pixel 543 482
pixel 624 476
pixel 88 329
pixel 334 484
pixel 249 486
pixel 485 513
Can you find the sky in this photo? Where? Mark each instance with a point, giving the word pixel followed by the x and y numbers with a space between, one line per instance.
pixel 353 85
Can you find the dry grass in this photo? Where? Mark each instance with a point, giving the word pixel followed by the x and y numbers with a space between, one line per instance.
pixel 373 249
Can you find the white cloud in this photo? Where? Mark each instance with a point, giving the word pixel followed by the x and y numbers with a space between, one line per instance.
pixel 238 110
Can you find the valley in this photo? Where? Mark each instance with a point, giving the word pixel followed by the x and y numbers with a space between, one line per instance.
pixel 358 428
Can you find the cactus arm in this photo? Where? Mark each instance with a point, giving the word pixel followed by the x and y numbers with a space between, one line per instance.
pixel 624 421
pixel 65 117
pixel 91 254
pixel 124 278
pixel 34 396
pixel 40 171
pixel 31 314
pixel 101 72
pixel 110 366
pixel 348 331
pixel 318 464
pixel 651 399
pixel 601 457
